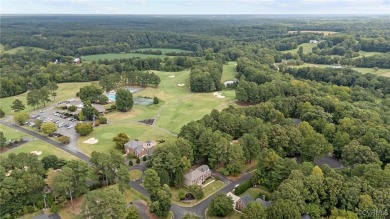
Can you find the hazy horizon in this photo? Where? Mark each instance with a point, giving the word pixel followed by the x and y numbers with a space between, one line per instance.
pixel 195 7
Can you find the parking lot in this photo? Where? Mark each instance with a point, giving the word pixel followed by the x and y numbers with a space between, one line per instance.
pixel 65 125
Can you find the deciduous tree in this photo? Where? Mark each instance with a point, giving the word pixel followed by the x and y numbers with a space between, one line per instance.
pixel 17 106
pixel 123 100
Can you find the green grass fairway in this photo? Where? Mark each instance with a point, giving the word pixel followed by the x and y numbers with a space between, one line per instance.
pixel 38 145
pixel 65 91
pixel 365 53
pixel 11 134
pixel 380 72
pixel 22 49
pixel 111 56
pixel 105 133
pixel 307 47
pixel 229 71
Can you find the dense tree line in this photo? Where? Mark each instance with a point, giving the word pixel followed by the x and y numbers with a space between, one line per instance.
pixel 206 77
pixel 25 179
pixel 344 77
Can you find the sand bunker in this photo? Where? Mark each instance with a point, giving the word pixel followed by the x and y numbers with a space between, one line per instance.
pixel 181 85
pixel 218 94
pixel 171 76
pixel 91 141
pixel 36 152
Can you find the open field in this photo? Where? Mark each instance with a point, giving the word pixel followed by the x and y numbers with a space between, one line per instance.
pixel 65 91
pixel 105 133
pixel 233 215
pixel 380 72
pixel 312 31
pixel 38 145
pixel 307 47
pixel 365 53
pixel 21 49
pixel 111 56
pixel 1 48
pixel 229 71
pixel 11 133
pixel 177 107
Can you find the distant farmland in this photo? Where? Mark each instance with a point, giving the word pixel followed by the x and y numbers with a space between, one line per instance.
pixel 112 56
pixel 326 33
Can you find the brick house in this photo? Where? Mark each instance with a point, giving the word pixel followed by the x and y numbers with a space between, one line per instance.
pixel 197 176
pixel 139 148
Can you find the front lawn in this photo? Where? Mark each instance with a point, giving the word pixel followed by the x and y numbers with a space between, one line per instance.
pixel 135 175
pixel 258 192
pixel 207 190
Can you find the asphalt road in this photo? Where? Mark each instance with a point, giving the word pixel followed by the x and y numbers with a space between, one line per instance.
pixel 178 211
pixel 72 151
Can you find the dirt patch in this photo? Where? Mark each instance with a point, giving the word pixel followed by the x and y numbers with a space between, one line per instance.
pixel 326 33
pixel 385 74
pixel 234 178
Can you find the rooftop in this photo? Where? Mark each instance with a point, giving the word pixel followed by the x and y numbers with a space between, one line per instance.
pixel 246 199
pixel 194 174
pixel 330 161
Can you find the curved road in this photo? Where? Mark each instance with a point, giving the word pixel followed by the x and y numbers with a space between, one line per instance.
pixel 178 211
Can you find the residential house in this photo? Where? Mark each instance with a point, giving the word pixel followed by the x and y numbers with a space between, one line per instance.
pixel 313 41
pixel 139 148
pixel 235 198
pixel 265 203
pixel 197 176
pixel 243 202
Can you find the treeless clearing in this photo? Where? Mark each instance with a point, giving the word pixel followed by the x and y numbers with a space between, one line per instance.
pixel 326 33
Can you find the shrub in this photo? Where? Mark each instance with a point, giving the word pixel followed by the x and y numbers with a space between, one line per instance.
pixel 144 158
pixel 103 99
pixel 64 139
pixel 131 163
pixel 103 120
pixel 2 114
pixel 242 187
pixel 83 128
pixel 72 108
pixel 224 172
pixel 21 118
pixel 138 160
pixel 182 194
pixel 64 107
pixel 97 122
pixel 113 106
pixel 196 191
pixel 54 208
pixel 156 100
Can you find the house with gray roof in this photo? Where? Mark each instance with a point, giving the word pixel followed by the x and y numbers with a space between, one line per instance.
pixel 243 202
pixel 140 148
pixel 197 176
pixel 265 203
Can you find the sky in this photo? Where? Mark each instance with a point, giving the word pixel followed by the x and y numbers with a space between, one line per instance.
pixel 195 7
